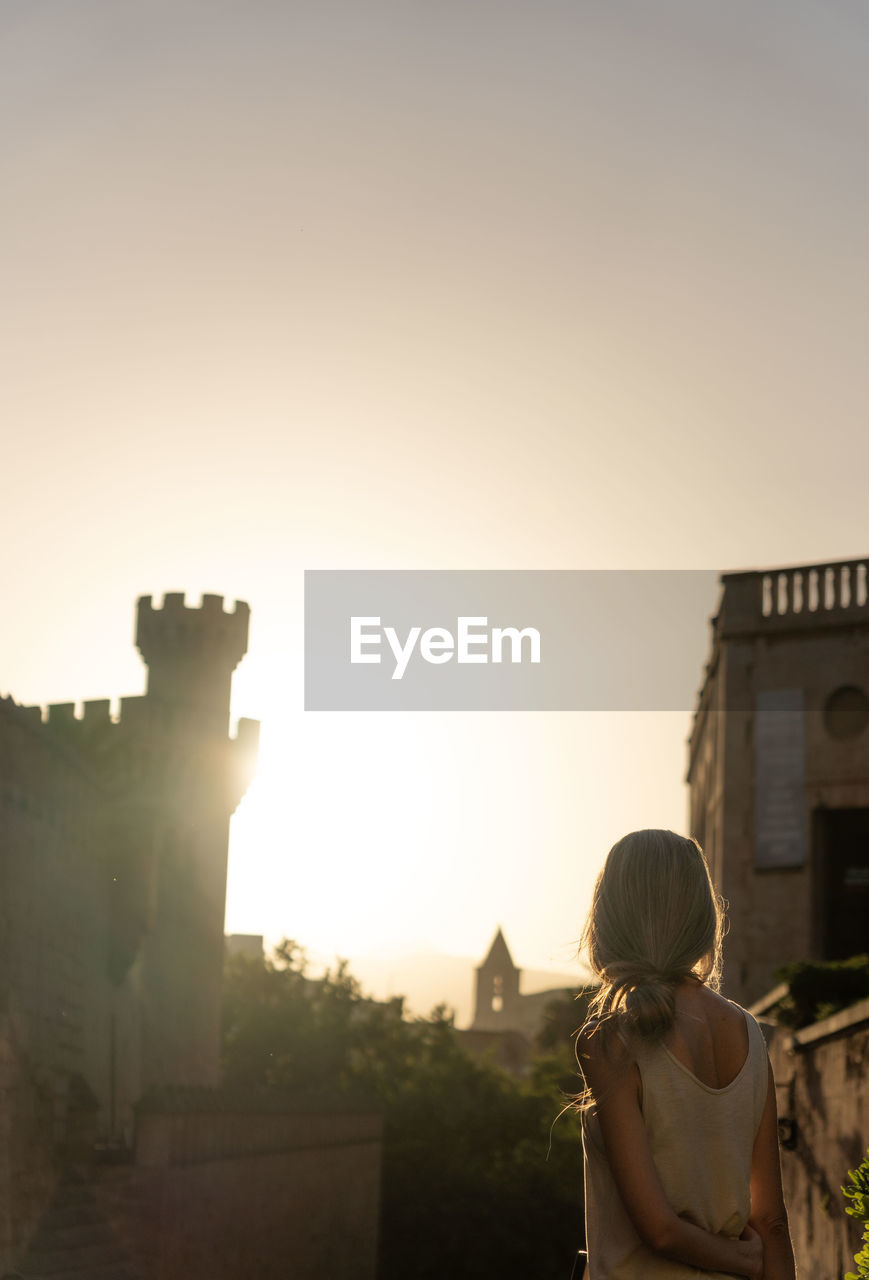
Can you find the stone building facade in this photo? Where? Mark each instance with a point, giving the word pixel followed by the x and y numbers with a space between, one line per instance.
pixel 779 767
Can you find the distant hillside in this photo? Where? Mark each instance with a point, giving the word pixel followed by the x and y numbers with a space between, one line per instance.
pixel 429 978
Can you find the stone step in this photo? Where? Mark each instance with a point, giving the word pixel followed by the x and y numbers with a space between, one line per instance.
pixel 74 1240
pixel 59 1217
pixel 58 1262
pixel 52 1235
pixel 105 1271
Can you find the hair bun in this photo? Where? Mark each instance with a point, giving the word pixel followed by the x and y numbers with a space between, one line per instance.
pixel 651 1006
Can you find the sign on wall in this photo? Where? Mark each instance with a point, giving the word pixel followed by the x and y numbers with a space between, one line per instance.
pixel 780 835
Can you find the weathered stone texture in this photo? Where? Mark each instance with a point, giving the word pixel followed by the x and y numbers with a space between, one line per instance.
pixel 219 1195
pixel 822 1093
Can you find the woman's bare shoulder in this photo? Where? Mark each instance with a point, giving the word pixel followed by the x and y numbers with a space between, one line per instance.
pixel 600 1041
pixel 710 1035
pixel 700 999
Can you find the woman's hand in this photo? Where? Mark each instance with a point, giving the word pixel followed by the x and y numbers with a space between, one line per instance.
pixel 754 1252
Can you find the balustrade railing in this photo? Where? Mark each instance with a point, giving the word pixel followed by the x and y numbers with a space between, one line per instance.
pixel 815 589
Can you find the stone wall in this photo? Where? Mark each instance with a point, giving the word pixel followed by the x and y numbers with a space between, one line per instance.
pixel 822 1092
pixel 27 1166
pixel 216 1195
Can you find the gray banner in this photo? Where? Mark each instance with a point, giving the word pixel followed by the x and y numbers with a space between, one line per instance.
pixel 506 640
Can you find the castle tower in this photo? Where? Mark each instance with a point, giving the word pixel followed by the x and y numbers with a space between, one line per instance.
pixel 497 988
pixel 191 655
pixel 198 775
pixel 779 767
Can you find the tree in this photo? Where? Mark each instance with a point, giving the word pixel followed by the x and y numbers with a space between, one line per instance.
pixel 476 1181
pixel 284 1029
pixel 555 1065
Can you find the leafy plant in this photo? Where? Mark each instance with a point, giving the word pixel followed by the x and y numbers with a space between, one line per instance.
pixel 817 990
pixel 857 1191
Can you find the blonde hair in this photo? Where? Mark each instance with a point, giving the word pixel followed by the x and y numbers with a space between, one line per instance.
pixel 655 921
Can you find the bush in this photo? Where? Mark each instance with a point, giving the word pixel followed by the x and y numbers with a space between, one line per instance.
pixel 817 990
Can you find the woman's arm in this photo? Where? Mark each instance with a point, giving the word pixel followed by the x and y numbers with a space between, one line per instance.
pixel 614 1081
pixel 768 1213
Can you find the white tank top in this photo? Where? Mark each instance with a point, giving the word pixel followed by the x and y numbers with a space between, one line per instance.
pixel 701 1141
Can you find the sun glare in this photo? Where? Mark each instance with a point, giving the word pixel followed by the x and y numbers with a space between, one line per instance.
pixel 327 845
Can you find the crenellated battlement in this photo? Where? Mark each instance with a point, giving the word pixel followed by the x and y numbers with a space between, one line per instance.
pixel 134 712
pixel 179 630
pixel 86 718
pixel 141 748
pixel 191 654
pixel 72 718
pixel 175 734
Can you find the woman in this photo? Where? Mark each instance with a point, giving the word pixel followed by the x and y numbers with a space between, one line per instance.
pixel 679 1127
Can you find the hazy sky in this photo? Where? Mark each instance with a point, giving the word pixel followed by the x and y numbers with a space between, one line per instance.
pixel 435 285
